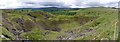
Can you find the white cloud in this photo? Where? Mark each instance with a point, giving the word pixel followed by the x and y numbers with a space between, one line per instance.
pixel 107 1
pixel 5 4
pixel 9 4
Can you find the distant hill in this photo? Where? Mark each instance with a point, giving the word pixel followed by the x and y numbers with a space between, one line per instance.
pixel 48 8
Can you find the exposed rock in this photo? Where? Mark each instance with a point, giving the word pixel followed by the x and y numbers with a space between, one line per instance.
pixel 89 30
pixel 31 16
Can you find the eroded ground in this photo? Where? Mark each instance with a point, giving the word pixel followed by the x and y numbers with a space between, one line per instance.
pixel 81 24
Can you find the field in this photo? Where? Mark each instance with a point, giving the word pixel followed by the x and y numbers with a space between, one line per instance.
pixel 98 23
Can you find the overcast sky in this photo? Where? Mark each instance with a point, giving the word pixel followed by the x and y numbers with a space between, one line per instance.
pixel 8 4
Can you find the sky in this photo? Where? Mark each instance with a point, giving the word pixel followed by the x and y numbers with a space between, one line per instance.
pixel 9 4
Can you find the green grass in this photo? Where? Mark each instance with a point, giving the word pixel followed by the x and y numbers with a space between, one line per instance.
pixel 39 35
pixel 101 20
pixel 105 21
pixel 69 26
pixel 9 34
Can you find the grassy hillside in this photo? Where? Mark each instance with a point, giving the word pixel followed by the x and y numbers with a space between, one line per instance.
pixel 71 24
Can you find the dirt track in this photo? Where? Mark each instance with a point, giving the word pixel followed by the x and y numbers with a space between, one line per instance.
pixel 115 30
